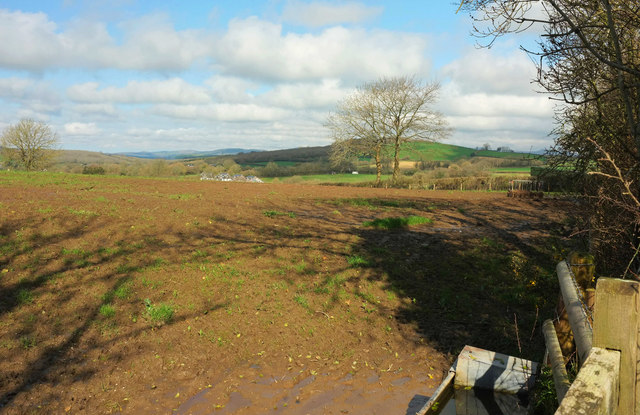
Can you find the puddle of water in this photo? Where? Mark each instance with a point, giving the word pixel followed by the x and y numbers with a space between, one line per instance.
pixel 373 379
pixel 480 402
pixel 195 400
pixel 236 401
pixel 401 381
pixel 366 392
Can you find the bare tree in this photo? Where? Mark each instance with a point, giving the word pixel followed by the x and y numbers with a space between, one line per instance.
pixel 357 129
pixel 384 116
pixel 29 144
pixel 407 114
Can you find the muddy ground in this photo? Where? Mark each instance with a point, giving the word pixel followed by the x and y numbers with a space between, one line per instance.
pixel 141 296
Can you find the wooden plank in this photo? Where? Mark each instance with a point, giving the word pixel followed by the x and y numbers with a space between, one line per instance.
pixel 441 395
pixel 479 368
pixel 582 332
pixel 560 378
pixel 616 328
pixel 595 389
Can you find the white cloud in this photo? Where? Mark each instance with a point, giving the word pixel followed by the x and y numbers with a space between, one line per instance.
pixel 96 109
pixel 151 42
pixel 221 112
pixel 321 13
pixel 79 128
pixel 249 48
pixel 231 88
pixel 35 98
pixel 12 88
pixel 486 71
pixel 175 90
pixel 484 104
pixel 306 95
pixel 259 49
pixel 31 41
pixel 488 98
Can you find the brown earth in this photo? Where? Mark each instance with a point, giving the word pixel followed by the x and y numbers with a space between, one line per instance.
pixel 282 300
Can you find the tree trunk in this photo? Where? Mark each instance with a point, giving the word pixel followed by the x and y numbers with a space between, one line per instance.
pixel 378 167
pixel 396 161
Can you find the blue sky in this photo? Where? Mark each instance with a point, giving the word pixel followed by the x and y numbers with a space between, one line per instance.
pixel 127 75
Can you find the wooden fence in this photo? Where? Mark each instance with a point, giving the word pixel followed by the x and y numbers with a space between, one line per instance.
pixel 607 349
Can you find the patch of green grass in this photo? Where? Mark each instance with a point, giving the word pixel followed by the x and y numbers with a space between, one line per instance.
pixel 74 251
pixel 357 261
pixel 158 263
pixel 342 178
pixel 150 283
pixel 368 297
pixel 303 268
pixel 161 314
pixel 274 213
pixel 397 222
pixel 331 283
pixel 124 291
pixel 302 300
pixel 107 310
pixel 82 212
pixel 24 296
pixel 199 254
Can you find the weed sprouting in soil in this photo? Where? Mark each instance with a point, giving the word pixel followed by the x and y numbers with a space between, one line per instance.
pixel 124 291
pixel 159 314
pixel 28 342
pixel 302 300
pixel 107 310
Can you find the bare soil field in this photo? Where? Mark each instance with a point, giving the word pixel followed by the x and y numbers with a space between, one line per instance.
pixel 141 296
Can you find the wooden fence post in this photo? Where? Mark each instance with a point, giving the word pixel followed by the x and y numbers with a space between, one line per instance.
pixel 615 327
pixel 595 390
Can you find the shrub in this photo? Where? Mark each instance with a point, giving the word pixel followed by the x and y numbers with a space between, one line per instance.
pixel 93 169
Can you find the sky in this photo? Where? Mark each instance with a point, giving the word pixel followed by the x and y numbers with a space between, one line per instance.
pixel 128 75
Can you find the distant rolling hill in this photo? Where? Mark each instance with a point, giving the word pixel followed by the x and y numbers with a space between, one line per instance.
pixel 184 154
pixel 90 157
pixel 417 151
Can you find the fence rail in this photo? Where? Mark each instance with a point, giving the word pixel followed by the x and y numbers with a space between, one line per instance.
pixel 608 354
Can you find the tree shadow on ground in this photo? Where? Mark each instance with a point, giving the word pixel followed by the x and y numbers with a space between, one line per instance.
pixel 56 276
pixel 483 283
